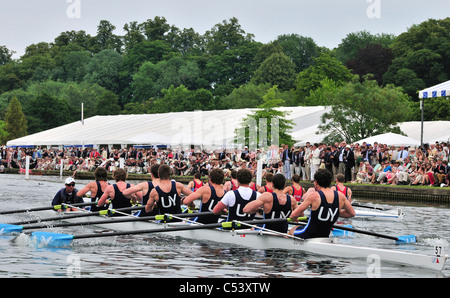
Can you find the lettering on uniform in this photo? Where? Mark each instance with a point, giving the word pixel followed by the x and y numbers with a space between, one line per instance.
pixel 211 206
pixel 282 215
pixel 330 215
pixel 239 211
pixel 170 200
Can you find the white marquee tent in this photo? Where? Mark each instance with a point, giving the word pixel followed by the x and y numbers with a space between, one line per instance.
pixel 207 128
pixel 391 139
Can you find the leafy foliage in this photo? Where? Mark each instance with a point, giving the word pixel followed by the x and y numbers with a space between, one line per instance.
pixel 363 109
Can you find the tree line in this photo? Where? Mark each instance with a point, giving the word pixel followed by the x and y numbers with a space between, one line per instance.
pixel 155 67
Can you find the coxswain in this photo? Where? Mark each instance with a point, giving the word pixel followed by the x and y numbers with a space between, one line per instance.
pixel 326 206
pixel 67 195
pixel 236 200
pixel 113 192
pixel 166 195
pixel 146 188
pixel 274 205
pixel 210 195
pixel 96 188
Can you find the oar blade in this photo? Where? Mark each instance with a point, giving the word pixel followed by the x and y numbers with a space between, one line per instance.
pixel 343 233
pixel 9 229
pixel 49 239
pixel 405 239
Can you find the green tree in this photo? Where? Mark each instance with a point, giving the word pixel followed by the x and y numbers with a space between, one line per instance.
pixel 373 59
pixel 322 95
pixel 423 51
pixel 245 96
pixel 3 133
pixel 46 111
pixel 225 36
pixel 232 67
pixel 363 109
pixel 105 38
pixel 155 29
pixel 15 121
pixel 107 104
pixel 74 38
pixel 104 69
pixel 267 118
pixel 355 41
pixel 5 55
pixel 278 70
pixel 75 65
pixel 144 82
pixel 324 67
pixel 10 77
pixel 300 49
pixel 178 99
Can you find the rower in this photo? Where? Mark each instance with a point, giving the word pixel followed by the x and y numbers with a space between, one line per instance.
pixel 340 187
pixel 67 195
pixel 146 188
pixel 210 195
pixel 195 184
pixel 275 205
pixel 96 188
pixel 166 195
pixel 326 206
pixel 295 190
pixel 236 200
pixel 114 192
pixel 232 184
pixel 269 185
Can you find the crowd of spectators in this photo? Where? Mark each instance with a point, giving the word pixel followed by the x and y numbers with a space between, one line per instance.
pixel 359 163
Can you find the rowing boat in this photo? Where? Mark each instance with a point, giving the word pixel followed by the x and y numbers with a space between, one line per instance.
pixel 262 239
pixel 368 214
pixel 375 215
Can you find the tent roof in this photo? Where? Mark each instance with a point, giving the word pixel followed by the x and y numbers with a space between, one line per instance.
pixel 440 90
pixel 209 128
pixel 391 139
pixel 214 128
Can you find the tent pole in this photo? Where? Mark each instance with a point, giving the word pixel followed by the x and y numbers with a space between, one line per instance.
pixel 421 125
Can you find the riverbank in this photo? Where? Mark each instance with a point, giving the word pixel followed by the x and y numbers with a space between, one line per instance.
pixel 439 196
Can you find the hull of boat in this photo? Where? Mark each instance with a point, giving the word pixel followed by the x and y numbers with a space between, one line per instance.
pixel 267 240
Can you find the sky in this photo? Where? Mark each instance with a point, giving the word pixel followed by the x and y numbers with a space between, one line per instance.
pixel 25 22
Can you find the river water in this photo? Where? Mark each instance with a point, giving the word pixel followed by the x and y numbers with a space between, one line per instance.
pixel 163 256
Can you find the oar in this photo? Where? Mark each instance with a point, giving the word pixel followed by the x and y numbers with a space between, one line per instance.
pixel 57 239
pixel 370 207
pixel 55 207
pixel 399 240
pixel 101 212
pixel 18 229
